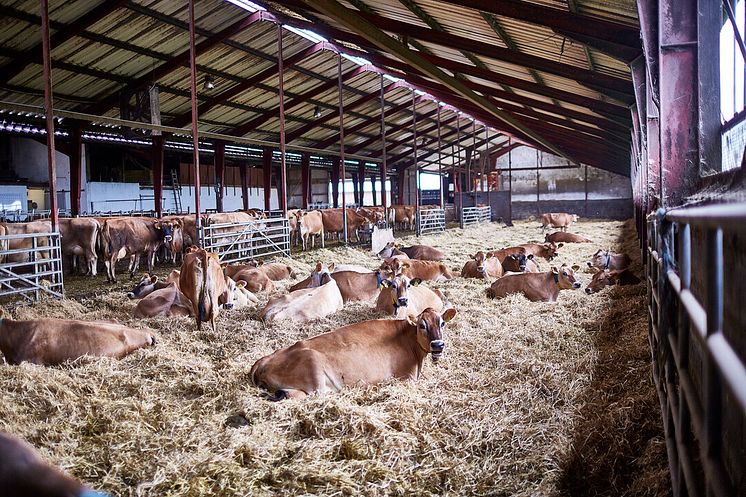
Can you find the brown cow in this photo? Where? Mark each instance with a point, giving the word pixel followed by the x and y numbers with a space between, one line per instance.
pixel 401 296
pixel 188 236
pixel 422 252
pixel 402 216
pixel 537 287
pixel 546 250
pixel 353 285
pixel 329 362
pixel 501 254
pixel 203 282
pixel 375 214
pixel 424 270
pixel 561 220
pixel 166 301
pixel 311 224
pixel 148 284
pixel 23 473
pixel 333 221
pixel 78 239
pixel 49 342
pixel 32 227
pixel 256 280
pixel 482 266
pixel 563 236
pixel 392 250
pixel 520 263
pixel 609 277
pixel 306 304
pixel 275 271
pixel 604 259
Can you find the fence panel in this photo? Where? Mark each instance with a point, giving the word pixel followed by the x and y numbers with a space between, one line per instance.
pixel 248 240
pixel 475 215
pixel 431 221
pixel 31 266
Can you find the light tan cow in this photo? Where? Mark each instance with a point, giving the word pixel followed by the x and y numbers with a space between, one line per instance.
pixel 605 259
pixel 149 284
pixel 424 270
pixel 546 250
pixel 49 342
pixel 561 220
pixel 33 227
pixel 334 222
pixel 563 236
pixel 423 253
pixel 78 239
pixel 166 301
pixel 256 281
pixel 392 251
pixel 482 265
pixel 520 263
pixel 401 296
pixel 321 299
pixel 359 354
pixel 402 216
pixel 203 282
pixel 311 224
pixel 537 287
pixel 610 277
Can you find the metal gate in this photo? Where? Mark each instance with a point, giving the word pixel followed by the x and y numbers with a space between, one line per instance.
pixel 698 349
pixel 475 215
pixel 31 266
pixel 248 240
pixel 431 221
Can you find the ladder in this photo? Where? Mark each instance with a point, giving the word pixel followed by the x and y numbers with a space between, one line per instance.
pixel 177 190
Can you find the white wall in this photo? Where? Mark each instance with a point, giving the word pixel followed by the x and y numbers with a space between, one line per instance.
pixel 13 197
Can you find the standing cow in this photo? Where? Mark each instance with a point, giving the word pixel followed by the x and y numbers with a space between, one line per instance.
pixel 133 237
pixel 561 220
pixel 78 239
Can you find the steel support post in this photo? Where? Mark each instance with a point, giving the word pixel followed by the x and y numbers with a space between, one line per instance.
pixel 416 168
pixel 305 173
pixel 48 110
pixel 342 146
pixel 244 186
pixel 335 181
pixel 267 176
pixel 219 174
pixel 76 167
pixel 384 172
pixel 157 166
pixel 195 137
pixel 361 180
pixel 510 182
pixel 373 189
pixel 459 186
pixel 283 198
pixel 440 161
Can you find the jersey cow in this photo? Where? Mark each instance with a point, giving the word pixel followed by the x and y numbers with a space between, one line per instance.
pixel 306 304
pixel 204 284
pixel 78 238
pixel 563 236
pixel 424 270
pixel 343 357
pixel 148 284
pixel 536 287
pixel 334 222
pixel 610 277
pixel 49 342
pixel 561 220
pixel 422 252
pixel 482 265
pixel 520 263
pixel 604 259
pixel 546 250
pixel 401 296
pixel 167 301
pixel 402 216
pixel 34 227
pixel 310 225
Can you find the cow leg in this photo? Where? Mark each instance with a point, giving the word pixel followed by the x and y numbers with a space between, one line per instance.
pixel 111 265
pixel 92 264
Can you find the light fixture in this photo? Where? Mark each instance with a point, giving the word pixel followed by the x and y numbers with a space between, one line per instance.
pixel 209 82
pixel 316 111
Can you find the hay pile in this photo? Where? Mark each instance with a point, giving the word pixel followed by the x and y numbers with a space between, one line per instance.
pixel 529 398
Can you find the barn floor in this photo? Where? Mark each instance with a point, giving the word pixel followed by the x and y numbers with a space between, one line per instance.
pixel 530 399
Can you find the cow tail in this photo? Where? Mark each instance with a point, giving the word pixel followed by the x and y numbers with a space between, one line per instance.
pixel 201 307
pixel 106 245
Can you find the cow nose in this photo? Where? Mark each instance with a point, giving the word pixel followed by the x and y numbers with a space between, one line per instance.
pixel 130 295
pixel 169 238
pixel 576 284
pixel 589 263
pixel 437 345
pixel 227 306
pixel 403 302
pixel 522 268
pixel 588 291
pixel 480 269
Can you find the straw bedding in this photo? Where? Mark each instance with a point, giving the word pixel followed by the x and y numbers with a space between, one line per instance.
pixel 528 399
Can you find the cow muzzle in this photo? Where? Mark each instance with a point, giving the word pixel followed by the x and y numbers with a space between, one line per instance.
pixel 576 285
pixel 227 306
pixel 402 302
pixel 589 263
pixel 481 270
pixel 168 238
pixel 588 291
pixel 130 295
pixel 436 349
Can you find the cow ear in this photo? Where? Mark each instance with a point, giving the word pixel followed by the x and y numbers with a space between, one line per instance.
pixel 177 223
pixel 415 281
pixel 412 319
pixel 157 226
pixel 240 284
pixel 489 254
pixel 575 267
pixel 449 314
pixel 530 256
pixel 386 283
pixel 554 270
pixel 331 267
pixel 318 267
pixel 404 265
pixel 154 279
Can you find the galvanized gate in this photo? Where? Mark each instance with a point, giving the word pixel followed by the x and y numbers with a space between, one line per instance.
pixel 698 345
pixel 31 266
pixel 431 221
pixel 475 215
pixel 248 240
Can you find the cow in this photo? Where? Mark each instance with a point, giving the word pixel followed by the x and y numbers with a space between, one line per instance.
pixel 363 353
pixel 561 220
pixel 78 239
pixel 49 342
pixel 203 282
pixel 546 250
pixel 401 296
pixel 375 214
pixel 333 221
pixel 256 280
pixel 133 237
pixel 306 304
pixel 3 243
pixel 23 473
pixel 501 254
pixel 167 301
pixel 482 266
pixel 293 216
pixel 423 253
pixel 311 224
pixel 610 277
pixel 605 259
pixel 351 267
pixel 353 285
pixel 188 236
pixel 536 287
pixel 148 284
pixel 391 250
pixel 563 236
pixel 33 227
pixel 520 263
pixel 424 270
pixel 274 271
pixel 402 216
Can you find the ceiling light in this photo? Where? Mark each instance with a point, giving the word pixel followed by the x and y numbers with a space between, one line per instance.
pixel 316 111
pixel 209 82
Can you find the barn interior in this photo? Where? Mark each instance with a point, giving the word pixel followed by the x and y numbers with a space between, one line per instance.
pixel 481 115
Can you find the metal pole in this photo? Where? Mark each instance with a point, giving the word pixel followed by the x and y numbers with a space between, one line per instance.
pixel 460 186
pixel 195 137
pixel 416 169
pixel 471 161
pixel 586 191
pixel 538 208
pixel 510 182
pixel 489 170
pixel 281 87
pixel 342 146
pixel 440 162
pixel 384 172
pixel 47 76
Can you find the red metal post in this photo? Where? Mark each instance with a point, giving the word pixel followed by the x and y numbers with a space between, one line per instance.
pixel 157 166
pixel 342 146
pixel 440 162
pixel 219 173
pixel 458 184
pixel 281 87
pixel 195 137
pixel 361 180
pixel 49 111
pixel 416 167
pixel 305 173
pixel 267 175
pixel 373 189
pixel 76 167
pixel 335 181
pixel 384 172
pixel 244 186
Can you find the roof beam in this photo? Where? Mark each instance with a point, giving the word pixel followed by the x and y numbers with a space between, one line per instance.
pixel 33 55
pixel 399 157
pixel 392 129
pixel 420 134
pixel 355 22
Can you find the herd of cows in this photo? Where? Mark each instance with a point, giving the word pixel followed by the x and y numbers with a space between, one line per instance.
pixel 366 352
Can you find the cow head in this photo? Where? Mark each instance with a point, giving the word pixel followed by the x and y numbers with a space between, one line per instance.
pixel 600 280
pixel 574 218
pixel 387 251
pixel 229 294
pixel 517 262
pixel 168 230
pixel 391 267
pixel 321 275
pixel 565 277
pixel 145 286
pixel 241 296
pixel 430 327
pixel 399 287
pixel 550 250
pixel 600 259
pixel 479 258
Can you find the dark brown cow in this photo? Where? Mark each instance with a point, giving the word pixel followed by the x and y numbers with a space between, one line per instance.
pixel 561 220
pixel 563 236
pixel 50 342
pixel 23 473
pixel 604 259
pixel 537 287
pixel 424 270
pixel 334 222
pixel 423 253
pixel 78 239
pixel 520 263
pixel 329 362
pixel 610 277
pixel 375 214
pixel 482 266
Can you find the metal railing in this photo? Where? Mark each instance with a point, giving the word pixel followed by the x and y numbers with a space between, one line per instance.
pixel 430 221
pixel 247 240
pixel 31 266
pixel 318 205
pixel 475 215
pixel 699 374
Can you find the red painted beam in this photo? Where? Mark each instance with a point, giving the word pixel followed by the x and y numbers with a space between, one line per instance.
pixel 402 155
pixel 336 173
pixel 112 100
pixel 220 173
pixel 305 173
pixel 392 129
pixel 267 175
pixel 76 167
pixel 300 99
pixel 244 186
pixel 34 55
pixel 157 166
